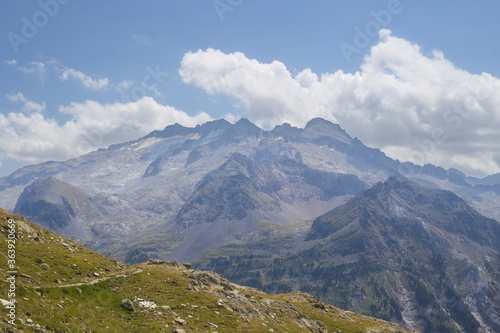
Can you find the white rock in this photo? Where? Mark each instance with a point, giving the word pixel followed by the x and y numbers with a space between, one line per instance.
pixel 147 304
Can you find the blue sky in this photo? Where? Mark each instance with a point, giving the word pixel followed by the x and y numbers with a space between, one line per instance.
pixel 80 75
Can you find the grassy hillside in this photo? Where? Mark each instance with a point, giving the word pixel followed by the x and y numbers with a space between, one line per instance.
pixel 61 286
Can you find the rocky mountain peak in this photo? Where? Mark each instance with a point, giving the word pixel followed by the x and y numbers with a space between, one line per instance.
pixel 393 183
pixel 212 126
pixel 399 199
pixel 243 130
pixel 53 189
pixel 457 177
pixel 322 127
pixel 286 130
pixel 247 127
pixel 171 130
pixel 52 203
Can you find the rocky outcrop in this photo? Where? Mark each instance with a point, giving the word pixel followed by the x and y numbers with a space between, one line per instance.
pixel 255 307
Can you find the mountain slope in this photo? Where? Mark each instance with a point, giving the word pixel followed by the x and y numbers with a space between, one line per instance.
pixel 60 286
pixel 159 195
pixel 398 251
pixel 246 193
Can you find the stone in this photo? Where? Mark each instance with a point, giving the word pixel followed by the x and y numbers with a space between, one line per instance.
pixel 155 262
pixel 147 304
pixel 128 305
pixel 180 321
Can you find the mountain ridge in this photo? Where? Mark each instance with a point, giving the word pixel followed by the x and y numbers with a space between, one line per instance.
pixel 400 251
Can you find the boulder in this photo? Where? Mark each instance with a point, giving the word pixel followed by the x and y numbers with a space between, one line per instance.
pixel 128 305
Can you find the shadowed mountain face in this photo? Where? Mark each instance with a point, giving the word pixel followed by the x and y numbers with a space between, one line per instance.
pixel 398 250
pixel 54 204
pixel 72 212
pixel 442 256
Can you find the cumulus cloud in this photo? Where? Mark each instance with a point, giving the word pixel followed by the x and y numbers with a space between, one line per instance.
pixel 413 105
pixel 28 106
pixel 34 138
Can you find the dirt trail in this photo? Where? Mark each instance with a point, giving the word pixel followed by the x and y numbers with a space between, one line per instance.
pixel 105 278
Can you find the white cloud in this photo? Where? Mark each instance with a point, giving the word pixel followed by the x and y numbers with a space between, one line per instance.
pixel 414 106
pixel 19 97
pixel 84 79
pixel 124 86
pixel 34 138
pixel 28 106
pixel 37 68
pixel 64 73
pixel 43 69
pixel 11 62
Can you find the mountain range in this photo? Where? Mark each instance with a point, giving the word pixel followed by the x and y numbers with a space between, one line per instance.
pixel 61 286
pixel 286 209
